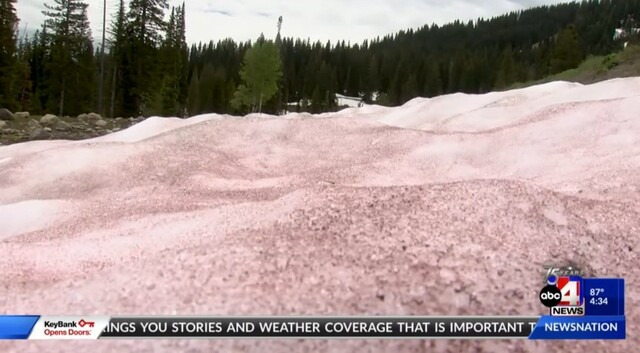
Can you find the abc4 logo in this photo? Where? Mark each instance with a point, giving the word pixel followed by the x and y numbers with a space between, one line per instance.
pixel 562 291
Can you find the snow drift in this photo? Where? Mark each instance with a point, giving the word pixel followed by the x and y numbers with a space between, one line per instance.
pixel 445 206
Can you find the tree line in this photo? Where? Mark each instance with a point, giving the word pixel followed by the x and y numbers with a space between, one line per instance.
pixel 149 69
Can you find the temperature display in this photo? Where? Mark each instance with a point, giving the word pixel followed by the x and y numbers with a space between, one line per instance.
pixel 604 296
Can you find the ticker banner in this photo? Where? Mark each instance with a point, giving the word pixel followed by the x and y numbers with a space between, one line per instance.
pixel 323 327
pixel 319 327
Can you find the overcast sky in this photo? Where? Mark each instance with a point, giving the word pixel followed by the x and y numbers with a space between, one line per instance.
pixel 351 20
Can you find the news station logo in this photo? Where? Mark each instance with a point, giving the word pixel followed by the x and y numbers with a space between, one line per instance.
pixel 564 293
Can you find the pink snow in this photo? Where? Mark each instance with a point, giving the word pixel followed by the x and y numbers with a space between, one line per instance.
pixel 152 127
pixel 444 206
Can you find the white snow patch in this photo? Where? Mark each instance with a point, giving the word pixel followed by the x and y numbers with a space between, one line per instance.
pixel 524 206
pixel 555 216
pixel 28 216
pixel 154 126
pixel 25 148
pixel 482 112
pixel 441 149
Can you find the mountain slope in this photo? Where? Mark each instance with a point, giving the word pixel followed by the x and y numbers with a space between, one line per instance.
pixel 598 68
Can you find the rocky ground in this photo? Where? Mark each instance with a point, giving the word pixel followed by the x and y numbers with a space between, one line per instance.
pixel 22 127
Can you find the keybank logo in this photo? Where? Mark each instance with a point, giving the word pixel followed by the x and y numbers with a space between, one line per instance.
pixel 60 324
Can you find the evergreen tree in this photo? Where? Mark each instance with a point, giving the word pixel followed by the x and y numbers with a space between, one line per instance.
pixel 506 71
pixel 24 84
pixel 118 32
pixel 433 80
pixel 8 26
pixel 316 101
pixel 453 76
pixel 206 89
pixel 373 80
pixel 170 53
pixel 147 19
pixel 183 64
pixel 174 68
pixel 150 70
pixel 260 74
pixel 71 63
pixel 193 103
pixel 145 27
pixel 38 71
pixel 393 92
pixel 410 89
pixel 102 58
pixel 566 52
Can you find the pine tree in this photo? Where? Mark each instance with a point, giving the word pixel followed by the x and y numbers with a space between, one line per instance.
pixel 8 25
pixel 206 89
pixel 70 64
pixel 453 76
pixel 24 84
pixel 566 52
pixel 373 79
pixel 38 71
pixel 147 19
pixel 145 27
pixel 183 67
pixel 433 80
pixel 193 103
pixel 170 53
pixel 174 54
pixel 393 93
pixel 409 89
pixel 506 71
pixel 260 74
pixel 316 101
pixel 118 32
pixel 102 58
pixel 148 66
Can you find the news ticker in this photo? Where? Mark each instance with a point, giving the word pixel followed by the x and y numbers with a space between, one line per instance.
pixel 36 327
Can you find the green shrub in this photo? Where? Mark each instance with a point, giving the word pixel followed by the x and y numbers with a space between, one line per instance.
pixel 610 61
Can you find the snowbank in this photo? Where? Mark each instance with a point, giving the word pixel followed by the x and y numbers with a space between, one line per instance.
pixel 28 216
pixel 154 126
pixel 224 215
pixel 476 113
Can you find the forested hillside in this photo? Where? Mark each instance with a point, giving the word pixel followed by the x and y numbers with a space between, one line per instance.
pixel 625 63
pixel 150 70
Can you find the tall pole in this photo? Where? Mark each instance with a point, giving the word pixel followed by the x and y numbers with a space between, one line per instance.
pixel 104 30
pixel 278 43
pixel 24 39
pixel 279 28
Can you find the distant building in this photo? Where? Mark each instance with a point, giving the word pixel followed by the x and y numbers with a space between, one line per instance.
pixel 341 101
pixel 621 33
pixel 346 101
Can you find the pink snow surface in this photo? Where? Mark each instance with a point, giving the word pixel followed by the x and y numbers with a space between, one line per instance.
pixel 445 206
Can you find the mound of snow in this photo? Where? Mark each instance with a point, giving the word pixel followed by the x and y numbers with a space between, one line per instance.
pixel 154 126
pixel 501 180
pixel 476 113
pixel 28 216
pixel 26 148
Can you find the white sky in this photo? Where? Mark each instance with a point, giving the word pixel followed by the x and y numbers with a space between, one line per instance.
pixel 351 20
